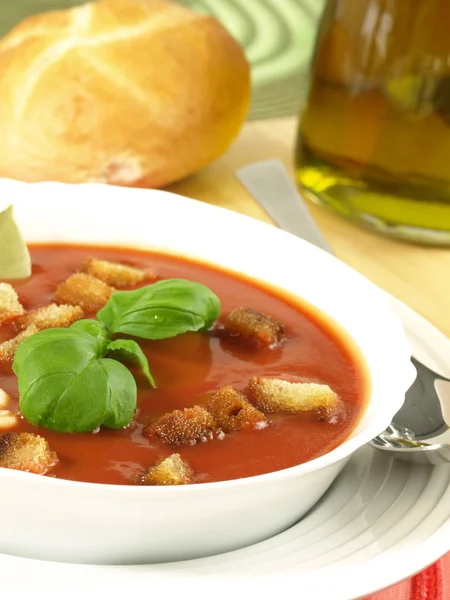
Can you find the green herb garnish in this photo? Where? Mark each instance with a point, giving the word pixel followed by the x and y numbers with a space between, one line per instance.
pixel 162 310
pixel 71 379
pixel 15 261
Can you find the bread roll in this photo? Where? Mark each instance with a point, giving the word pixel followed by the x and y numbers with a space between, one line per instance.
pixel 127 92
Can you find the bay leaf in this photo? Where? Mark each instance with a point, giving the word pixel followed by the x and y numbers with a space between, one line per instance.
pixel 15 261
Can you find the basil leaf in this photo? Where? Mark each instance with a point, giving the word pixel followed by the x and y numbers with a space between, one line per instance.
pixel 65 384
pixel 53 351
pixel 104 393
pixel 161 310
pixel 131 351
pixel 94 328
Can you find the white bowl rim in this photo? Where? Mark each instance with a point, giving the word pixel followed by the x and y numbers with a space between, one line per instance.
pixel 339 453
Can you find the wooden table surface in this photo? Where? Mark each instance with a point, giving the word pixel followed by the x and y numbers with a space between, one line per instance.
pixel 420 276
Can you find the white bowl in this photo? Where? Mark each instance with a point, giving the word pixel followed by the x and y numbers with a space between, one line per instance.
pixel 110 524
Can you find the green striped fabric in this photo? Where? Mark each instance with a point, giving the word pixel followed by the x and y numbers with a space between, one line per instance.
pixel 277 35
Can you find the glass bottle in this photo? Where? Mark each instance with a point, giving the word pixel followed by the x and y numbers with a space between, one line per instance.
pixel 374 135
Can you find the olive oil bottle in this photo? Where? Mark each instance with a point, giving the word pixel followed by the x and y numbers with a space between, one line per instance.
pixel 374 135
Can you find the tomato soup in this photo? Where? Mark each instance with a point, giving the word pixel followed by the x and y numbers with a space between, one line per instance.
pixel 190 367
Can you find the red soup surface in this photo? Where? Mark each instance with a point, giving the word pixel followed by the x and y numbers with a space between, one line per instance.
pixel 190 367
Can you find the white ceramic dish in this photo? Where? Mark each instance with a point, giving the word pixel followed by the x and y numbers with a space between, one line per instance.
pixel 380 522
pixel 91 523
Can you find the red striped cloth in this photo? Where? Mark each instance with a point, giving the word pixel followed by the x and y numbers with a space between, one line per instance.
pixel 431 584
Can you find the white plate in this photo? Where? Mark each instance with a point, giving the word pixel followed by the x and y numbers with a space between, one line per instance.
pixel 381 521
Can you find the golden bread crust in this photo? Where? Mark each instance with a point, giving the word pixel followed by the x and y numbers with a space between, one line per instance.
pixel 142 93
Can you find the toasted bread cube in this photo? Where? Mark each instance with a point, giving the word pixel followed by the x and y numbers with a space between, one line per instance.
pixel 278 395
pixel 10 306
pixel 187 426
pixel 8 348
pixel 26 452
pixel 53 315
pixel 83 290
pixel 115 274
pixel 169 471
pixel 233 412
pixel 253 327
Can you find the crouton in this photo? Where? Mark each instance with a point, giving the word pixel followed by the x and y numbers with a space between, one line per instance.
pixel 53 315
pixel 277 395
pixel 187 426
pixel 169 471
pixel 233 412
pixel 8 348
pixel 10 306
pixel 115 274
pixel 26 452
pixel 83 290
pixel 253 327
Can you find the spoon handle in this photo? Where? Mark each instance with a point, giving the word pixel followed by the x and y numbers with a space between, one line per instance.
pixel 271 185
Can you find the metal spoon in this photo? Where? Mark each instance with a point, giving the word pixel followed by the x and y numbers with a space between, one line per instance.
pixel 420 430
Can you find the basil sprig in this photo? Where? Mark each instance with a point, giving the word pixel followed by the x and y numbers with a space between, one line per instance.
pixel 72 380
pixel 161 310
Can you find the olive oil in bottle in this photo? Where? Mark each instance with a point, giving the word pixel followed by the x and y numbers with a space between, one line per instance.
pixel 374 136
